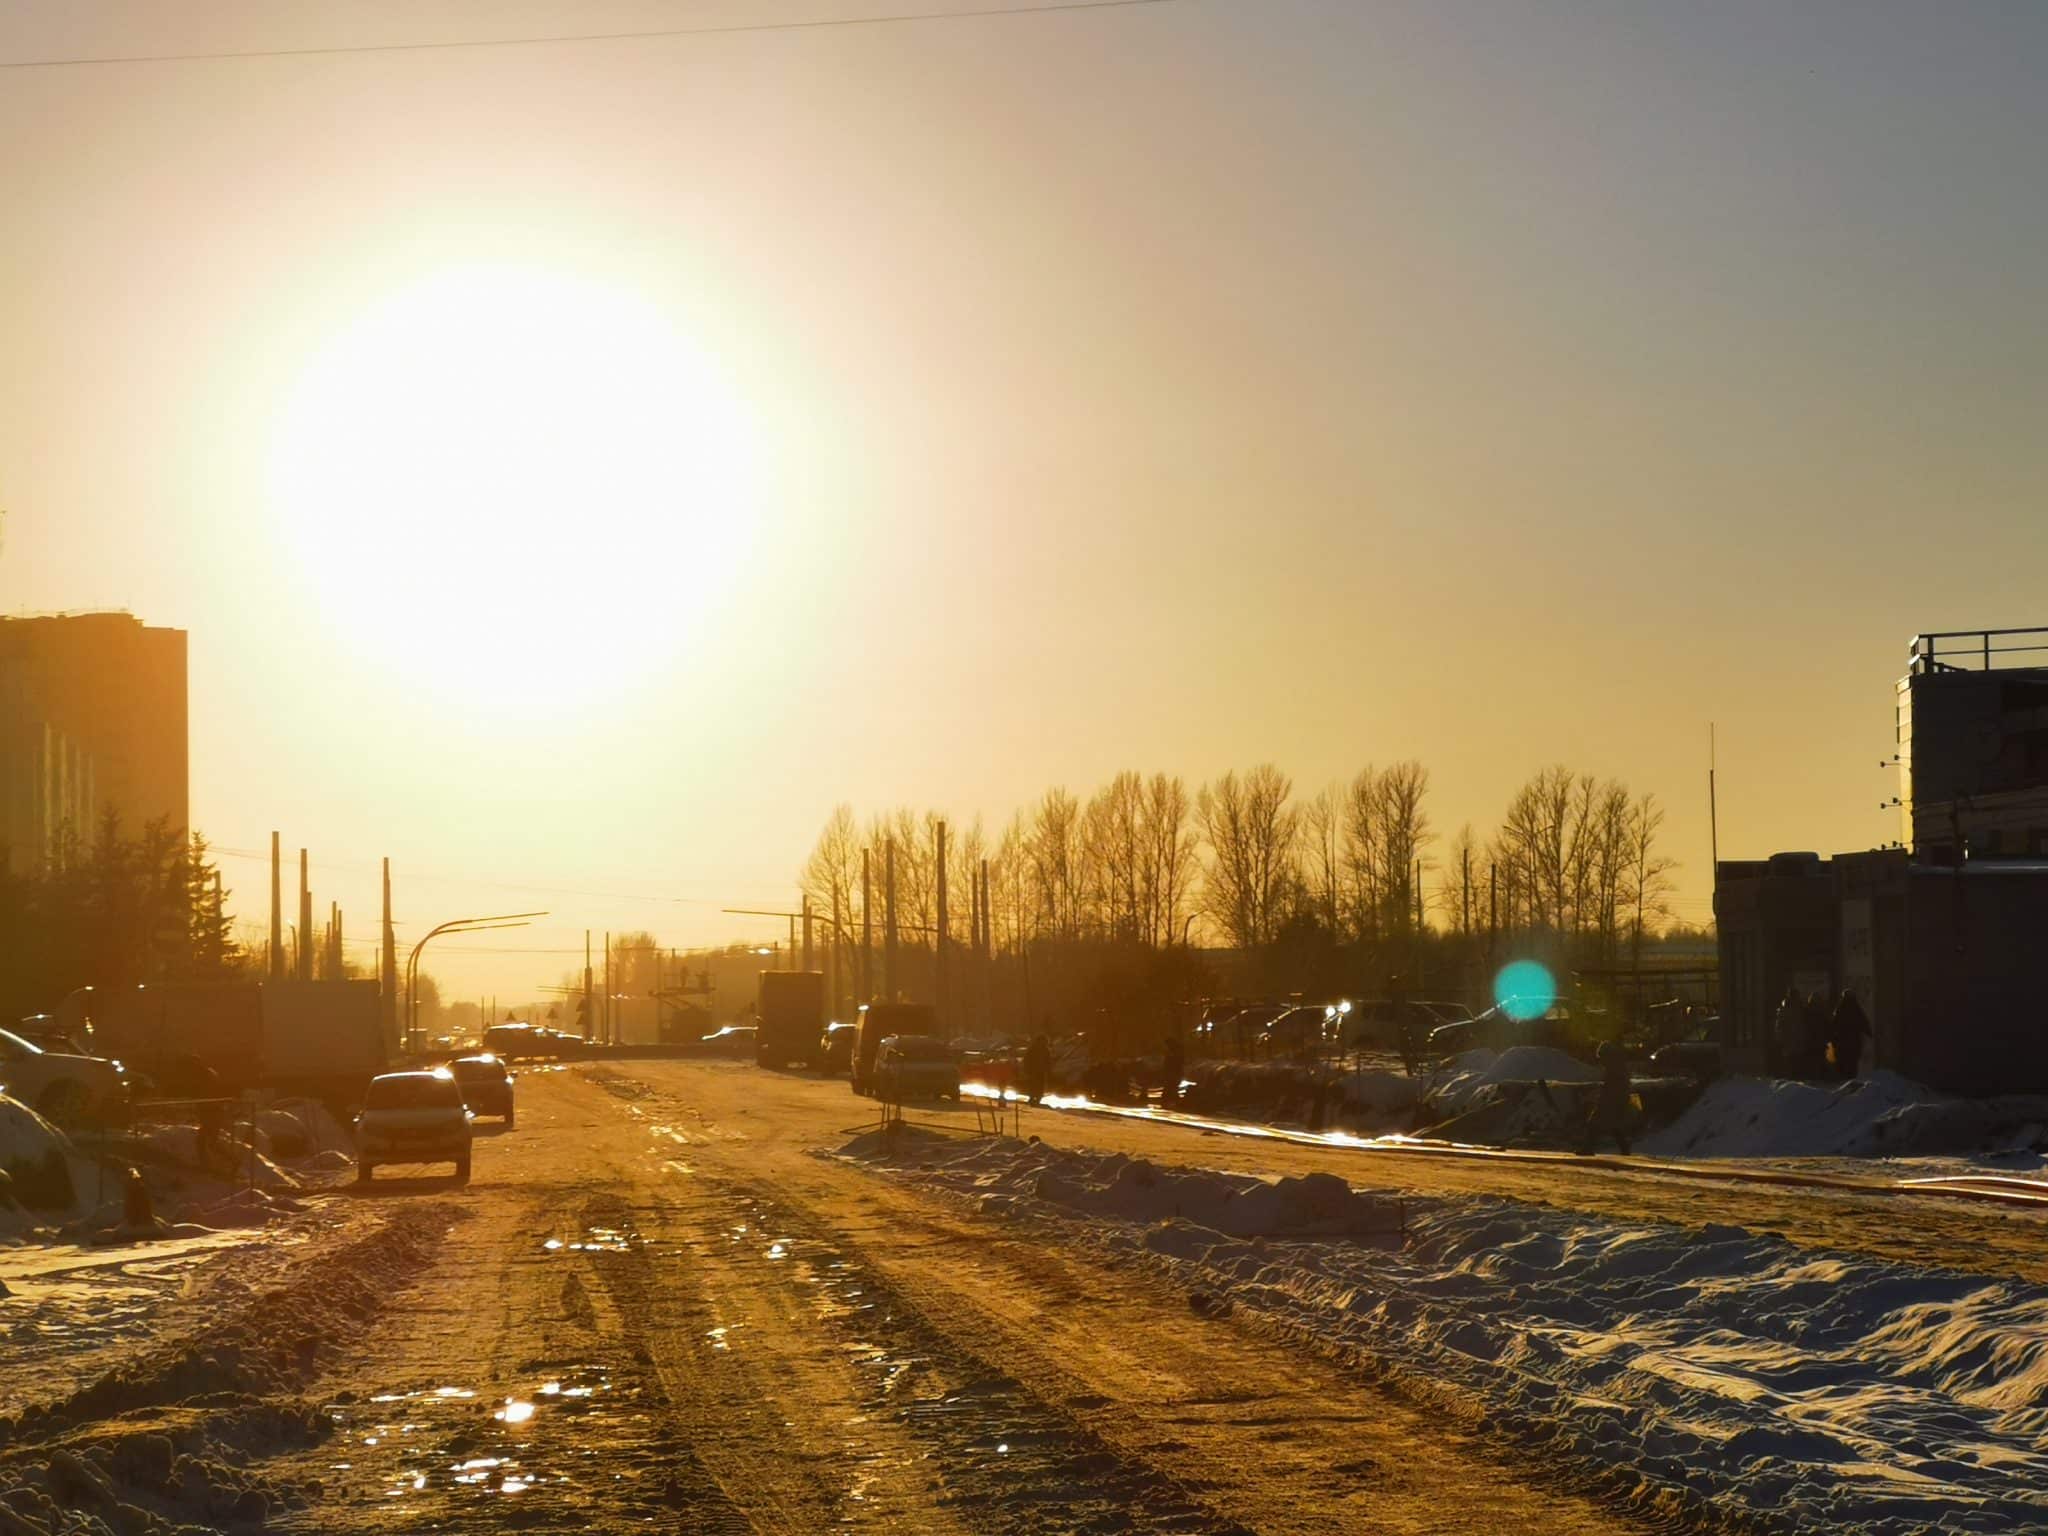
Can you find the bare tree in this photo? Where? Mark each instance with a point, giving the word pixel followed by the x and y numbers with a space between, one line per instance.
pixel 833 869
pixel 1253 832
pixel 1403 831
pixel 1172 857
pixel 1053 845
pixel 1648 872
pixel 1113 848
pixel 1322 850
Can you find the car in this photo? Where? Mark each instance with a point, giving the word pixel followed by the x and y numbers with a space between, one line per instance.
pixel 835 1047
pixel 917 1067
pixel 733 1039
pixel 413 1117
pixel 486 1084
pixel 65 1089
pixel 1698 1059
pixel 1497 1029
pixel 878 1021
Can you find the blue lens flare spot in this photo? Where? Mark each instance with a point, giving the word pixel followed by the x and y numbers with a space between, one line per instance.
pixel 1524 989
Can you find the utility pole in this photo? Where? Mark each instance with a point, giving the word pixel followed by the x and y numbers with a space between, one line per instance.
pixel 836 948
pixel 867 934
pixel 988 947
pixel 940 979
pixel 606 1034
pixel 1465 884
pixel 387 972
pixel 335 968
pixel 588 1022
pixel 1492 906
pixel 305 922
pixel 807 932
pixel 276 911
pixel 889 920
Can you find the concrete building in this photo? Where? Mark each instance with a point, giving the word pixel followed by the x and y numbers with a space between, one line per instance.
pixel 1944 939
pixel 93 715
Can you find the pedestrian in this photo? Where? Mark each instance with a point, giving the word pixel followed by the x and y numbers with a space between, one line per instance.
pixel 1037 1066
pixel 1610 1115
pixel 1813 1038
pixel 1172 1068
pixel 137 1214
pixel 1404 1026
pixel 1787 1031
pixel 1847 1030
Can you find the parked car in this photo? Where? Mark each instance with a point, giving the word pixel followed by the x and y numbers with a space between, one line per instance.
pixel 878 1021
pixel 1497 1030
pixel 732 1040
pixel 486 1085
pixel 1698 1059
pixel 413 1117
pixel 917 1067
pixel 64 1089
pixel 835 1047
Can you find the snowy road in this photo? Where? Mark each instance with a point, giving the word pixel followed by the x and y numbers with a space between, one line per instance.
pixel 665 1303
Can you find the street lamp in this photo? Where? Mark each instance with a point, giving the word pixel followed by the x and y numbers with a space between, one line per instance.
pixel 459 925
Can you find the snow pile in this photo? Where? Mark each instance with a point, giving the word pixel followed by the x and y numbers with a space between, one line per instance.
pixel 1004 1176
pixel 1376 1096
pixel 48 1177
pixel 1474 1078
pixel 1714 1369
pixel 1876 1116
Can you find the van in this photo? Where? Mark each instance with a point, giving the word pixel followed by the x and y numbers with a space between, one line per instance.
pixel 878 1021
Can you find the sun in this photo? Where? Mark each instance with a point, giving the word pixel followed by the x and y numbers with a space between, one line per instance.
pixel 514 485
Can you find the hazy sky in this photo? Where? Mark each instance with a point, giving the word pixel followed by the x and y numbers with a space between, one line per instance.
pixel 580 466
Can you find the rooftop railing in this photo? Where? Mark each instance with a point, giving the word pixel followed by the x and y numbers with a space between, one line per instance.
pixel 1978 650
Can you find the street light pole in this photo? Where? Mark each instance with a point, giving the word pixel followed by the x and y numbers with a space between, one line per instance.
pixel 412 961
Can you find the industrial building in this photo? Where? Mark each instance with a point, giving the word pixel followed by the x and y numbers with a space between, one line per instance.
pixel 93 717
pixel 1943 939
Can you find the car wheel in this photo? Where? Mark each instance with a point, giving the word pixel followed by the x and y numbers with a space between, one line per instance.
pixel 462 1170
pixel 363 1171
pixel 62 1104
pixel 508 1119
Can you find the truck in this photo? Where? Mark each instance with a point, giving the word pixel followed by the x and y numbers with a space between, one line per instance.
pixel 792 1018
pixel 322 1038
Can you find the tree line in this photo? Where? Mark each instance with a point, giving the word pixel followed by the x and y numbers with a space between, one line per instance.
pixel 1353 873
pixel 112 910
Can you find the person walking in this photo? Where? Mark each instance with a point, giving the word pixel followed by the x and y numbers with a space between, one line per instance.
pixel 1173 1067
pixel 1788 1027
pixel 1037 1066
pixel 1610 1116
pixel 1847 1030
pixel 1814 1029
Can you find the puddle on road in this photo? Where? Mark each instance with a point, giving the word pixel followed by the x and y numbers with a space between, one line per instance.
pixel 446 1442
pixel 595 1239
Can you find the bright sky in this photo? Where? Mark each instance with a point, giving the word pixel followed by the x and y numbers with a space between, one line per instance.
pixel 580 466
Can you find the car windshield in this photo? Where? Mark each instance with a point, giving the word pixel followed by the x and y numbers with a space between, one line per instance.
pixel 921 1048
pixel 413 1090
pixel 479 1066
pixel 11 1041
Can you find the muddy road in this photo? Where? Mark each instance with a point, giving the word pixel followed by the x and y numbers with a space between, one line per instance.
pixel 659 1305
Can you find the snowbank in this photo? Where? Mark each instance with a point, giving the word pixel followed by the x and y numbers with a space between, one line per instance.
pixel 1876 1116
pixel 1710 1369
pixel 50 1179
pixel 1471 1078
pixel 1005 1175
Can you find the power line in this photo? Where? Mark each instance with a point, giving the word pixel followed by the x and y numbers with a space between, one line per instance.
pixel 896 18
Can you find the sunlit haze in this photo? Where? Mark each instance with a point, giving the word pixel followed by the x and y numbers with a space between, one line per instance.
pixel 580 467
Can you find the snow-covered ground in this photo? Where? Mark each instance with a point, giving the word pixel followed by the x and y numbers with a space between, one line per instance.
pixel 1683 1368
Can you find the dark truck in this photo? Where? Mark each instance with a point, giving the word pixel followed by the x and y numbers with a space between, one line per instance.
pixel 792 1018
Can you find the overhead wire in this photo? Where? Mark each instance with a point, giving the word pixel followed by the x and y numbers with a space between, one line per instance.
pixel 816 24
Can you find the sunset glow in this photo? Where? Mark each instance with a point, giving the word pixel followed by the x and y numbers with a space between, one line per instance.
pixel 509 483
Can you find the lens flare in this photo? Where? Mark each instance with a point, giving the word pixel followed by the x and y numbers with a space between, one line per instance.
pixel 1524 989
